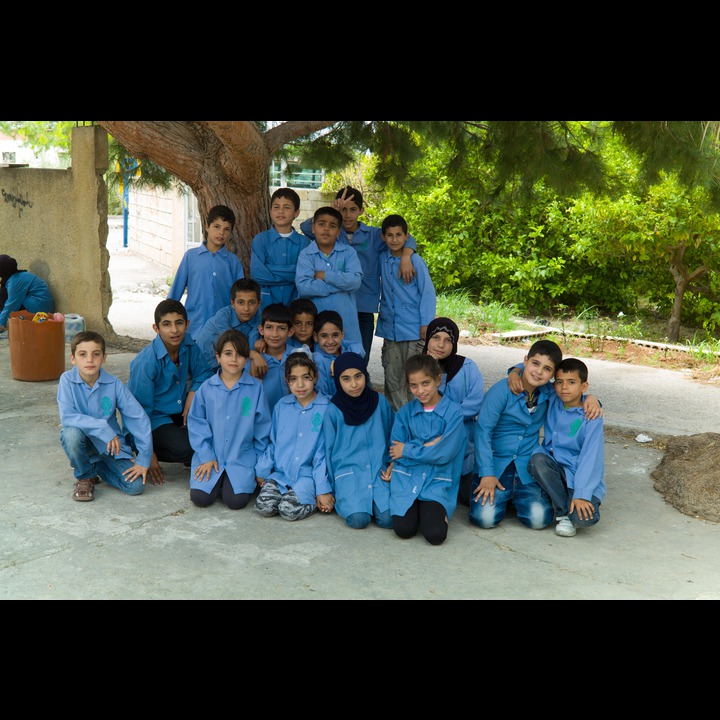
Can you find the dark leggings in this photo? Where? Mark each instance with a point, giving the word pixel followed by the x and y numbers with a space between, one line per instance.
pixel 233 500
pixel 171 442
pixel 427 515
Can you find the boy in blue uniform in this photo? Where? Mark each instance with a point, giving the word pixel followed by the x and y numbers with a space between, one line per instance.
pixel 164 377
pixel 427 449
pixel 276 328
pixel 369 245
pixel 303 311
pixel 89 400
pixel 292 472
pixel 463 383
pixel 330 342
pixel 228 426
pixel 357 425
pixel 507 432
pixel 406 309
pixel 274 252
pixel 243 314
pixel 570 463
pixel 207 272
pixel 329 272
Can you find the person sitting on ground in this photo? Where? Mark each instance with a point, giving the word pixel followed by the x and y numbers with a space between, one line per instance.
pixel 21 290
pixel 570 463
pixel 164 377
pixel 89 400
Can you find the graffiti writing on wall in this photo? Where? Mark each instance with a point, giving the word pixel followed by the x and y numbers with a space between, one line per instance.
pixel 17 201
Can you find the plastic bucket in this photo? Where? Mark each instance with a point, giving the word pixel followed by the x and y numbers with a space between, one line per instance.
pixel 73 325
pixel 37 349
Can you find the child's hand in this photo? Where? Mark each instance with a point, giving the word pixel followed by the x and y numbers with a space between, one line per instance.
pixel 515 382
pixel 260 345
pixel 258 365
pixel 113 447
pixel 135 472
pixel 592 408
pixel 325 502
pixel 584 508
pixel 259 481
pixel 204 470
pixel 155 472
pixel 407 271
pixel 386 474
pixel 486 490
pixel 396 449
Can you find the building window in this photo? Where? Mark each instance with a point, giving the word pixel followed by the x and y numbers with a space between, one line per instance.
pixel 8 157
pixel 284 174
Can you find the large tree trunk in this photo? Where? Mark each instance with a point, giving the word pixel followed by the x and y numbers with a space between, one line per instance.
pixel 222 162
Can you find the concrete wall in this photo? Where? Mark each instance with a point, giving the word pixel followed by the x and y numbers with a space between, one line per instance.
pixel 54 222
pixel 157 222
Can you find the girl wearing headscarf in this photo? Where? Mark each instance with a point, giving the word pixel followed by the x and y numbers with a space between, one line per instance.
pixel 462 382
pixel 22 291
pixel 357 437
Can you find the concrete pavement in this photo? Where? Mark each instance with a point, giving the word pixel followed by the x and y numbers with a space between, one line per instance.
pixel 159 546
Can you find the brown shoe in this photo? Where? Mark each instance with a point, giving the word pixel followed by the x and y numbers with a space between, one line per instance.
pixel 84 490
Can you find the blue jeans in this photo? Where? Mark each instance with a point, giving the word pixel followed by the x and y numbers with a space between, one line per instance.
pixel 367 330
pixel 360 520
pixel 531 502
pixel 550 475
pixel 86 462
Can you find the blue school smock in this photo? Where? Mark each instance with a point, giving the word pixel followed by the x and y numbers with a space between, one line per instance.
pixel 578 444
pixel 94 411
pixel 404 307
pixel 231 426
pixel 356 454
pixel 225 319
pixel 159 385
pixel 343 275
pixel 273 261
pixel 295 455
pixel 274 379
pixel 368 243
pixel 208 278
pixel 324 361
pixel 507 431
pixel 427 473
pixel 467 388
pixel 29 291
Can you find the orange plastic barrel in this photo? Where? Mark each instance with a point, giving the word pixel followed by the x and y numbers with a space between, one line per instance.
pixel 37 349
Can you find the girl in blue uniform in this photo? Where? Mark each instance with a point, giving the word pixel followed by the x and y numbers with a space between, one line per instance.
pixel 292 472
pixel 228 426
pixel 463 383
pixel 427 448
pixel 357 427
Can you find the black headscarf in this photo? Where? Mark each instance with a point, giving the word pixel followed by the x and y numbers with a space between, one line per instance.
pixel 8 267
pixel 453 362
pixel 357 410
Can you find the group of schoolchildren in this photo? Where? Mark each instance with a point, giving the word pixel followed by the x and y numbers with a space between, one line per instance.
pixel 270 394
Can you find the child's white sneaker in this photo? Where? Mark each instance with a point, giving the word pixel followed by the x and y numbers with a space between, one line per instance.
pixel 564 527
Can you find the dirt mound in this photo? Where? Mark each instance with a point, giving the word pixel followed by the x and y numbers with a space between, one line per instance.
pixel 688 476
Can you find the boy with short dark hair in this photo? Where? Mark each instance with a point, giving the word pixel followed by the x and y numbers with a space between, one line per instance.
pixel 507 433
pixel 329 272
pixel 274 252
pixel 369 245
pixel 276 328
pixel 89 400
pixel 330 343
pixel 570 463
pixel 406 309
pixel 303 311
pixel 207 272
pixel 243 314
pixel 164 377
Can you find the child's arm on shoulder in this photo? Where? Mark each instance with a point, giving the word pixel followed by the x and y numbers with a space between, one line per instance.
pixel 592 407
pixel 407 271
pixel 258 366
pixel 515 379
